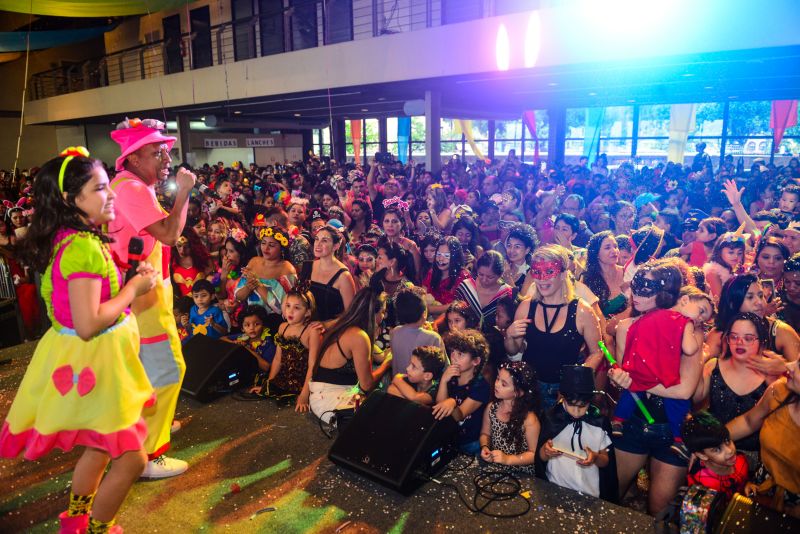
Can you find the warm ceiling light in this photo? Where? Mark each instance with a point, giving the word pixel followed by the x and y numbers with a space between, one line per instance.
pixel 502 48
pixel 296 114
pixel 364 109
pixel 237 112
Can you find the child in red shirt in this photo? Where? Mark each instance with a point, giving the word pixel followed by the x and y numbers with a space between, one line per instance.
pixel 719 467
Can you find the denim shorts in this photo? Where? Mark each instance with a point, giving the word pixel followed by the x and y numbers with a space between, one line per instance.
pixel 549 393
pixel 652 440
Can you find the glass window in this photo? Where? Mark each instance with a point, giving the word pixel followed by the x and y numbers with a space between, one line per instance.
pixel 708 120
pixel 391 130
pixel 418 131
pixel 508 130
pixel 271 25
pixel 746 119
pixel 304 24
pixel 200 23
pixel 654 121
pixel 480 130
pixel 617 122
pixel 339 21
pixel 449 130
pixel 244 35
pixel 371 131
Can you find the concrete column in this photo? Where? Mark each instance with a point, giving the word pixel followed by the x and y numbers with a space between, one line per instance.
pixel 490 155
pixel 338 140
pixel 383 136
pixel 308 143
pixel 557 118
pixel 184 137
pixel 433 131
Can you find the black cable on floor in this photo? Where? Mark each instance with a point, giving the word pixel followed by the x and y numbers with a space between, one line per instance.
pixel 491 486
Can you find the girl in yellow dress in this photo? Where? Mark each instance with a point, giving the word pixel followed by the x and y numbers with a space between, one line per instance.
pixel 85 385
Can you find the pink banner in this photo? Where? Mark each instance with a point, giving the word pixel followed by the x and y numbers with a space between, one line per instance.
pixel 784 115
pixel 529 118
pixel 355 133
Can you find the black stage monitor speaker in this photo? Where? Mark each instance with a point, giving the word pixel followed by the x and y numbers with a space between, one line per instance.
pixel 395 442
pixel 215 367
pixel 743 515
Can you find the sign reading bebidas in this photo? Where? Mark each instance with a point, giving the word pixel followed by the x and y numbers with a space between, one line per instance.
pixel 220 143
pixel 256 142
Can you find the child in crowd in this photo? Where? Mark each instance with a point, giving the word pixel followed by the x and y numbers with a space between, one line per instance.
pixel 421 381
pixel 205 317
pixel 789 201
pixel 510 429
pixel 463 392
pixel 726 259
pixel 708 231
pixel 255 338
pixel 459 316
pixel 576 448
pixel 410 332
pixel 506 308
pixel 366 256
pixel 297 348
pixel 656 341
pixel 719 467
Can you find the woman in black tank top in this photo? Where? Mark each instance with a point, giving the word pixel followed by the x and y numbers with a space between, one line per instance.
pixel 333 295
pixel 552 327
pixel 345 355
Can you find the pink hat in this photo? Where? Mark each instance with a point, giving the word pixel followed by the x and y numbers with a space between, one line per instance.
pixel 133 134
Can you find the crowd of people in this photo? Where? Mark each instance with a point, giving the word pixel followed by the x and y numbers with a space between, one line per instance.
pixel 594 326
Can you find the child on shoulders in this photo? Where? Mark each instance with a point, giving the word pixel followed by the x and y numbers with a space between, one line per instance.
pixel 575 438
pixel 510 430
pixel 463 392
pixel 421 381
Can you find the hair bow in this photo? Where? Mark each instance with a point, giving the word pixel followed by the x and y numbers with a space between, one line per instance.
pixel 402 205
pixel 65 377
pixel 69 153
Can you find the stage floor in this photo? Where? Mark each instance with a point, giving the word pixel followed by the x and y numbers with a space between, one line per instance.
pixel 278 458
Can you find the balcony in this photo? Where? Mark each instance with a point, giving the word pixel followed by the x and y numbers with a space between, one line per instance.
pixel 304 24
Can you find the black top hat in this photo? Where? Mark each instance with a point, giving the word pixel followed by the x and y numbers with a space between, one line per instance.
pixel 577 381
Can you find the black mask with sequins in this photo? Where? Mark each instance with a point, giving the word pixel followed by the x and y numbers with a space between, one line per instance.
pixel 644 287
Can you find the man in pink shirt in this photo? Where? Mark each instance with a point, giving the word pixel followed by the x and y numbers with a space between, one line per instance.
pixel 145 161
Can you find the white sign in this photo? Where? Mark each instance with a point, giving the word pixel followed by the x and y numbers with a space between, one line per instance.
pixel 220 143
pixel 255 142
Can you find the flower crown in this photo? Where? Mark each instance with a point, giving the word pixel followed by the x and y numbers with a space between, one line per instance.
pixel 238 235
pixel 274 234
pixel 397 202
pixel 731 237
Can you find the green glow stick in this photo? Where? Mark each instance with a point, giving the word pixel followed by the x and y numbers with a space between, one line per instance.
pixel 636 398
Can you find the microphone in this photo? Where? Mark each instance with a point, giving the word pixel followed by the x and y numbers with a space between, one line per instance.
pixel 135 250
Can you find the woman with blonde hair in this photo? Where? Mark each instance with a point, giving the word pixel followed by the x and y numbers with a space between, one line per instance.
pixel 551 328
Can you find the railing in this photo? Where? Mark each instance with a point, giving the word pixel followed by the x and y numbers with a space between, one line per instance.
pixel 244 39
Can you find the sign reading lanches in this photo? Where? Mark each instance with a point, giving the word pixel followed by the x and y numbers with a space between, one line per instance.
pixel 256 142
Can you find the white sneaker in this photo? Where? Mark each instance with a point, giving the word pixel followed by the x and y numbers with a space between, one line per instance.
pixel 163 467
pixel 176 426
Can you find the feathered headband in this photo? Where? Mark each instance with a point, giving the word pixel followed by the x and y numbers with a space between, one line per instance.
pixel 401 205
